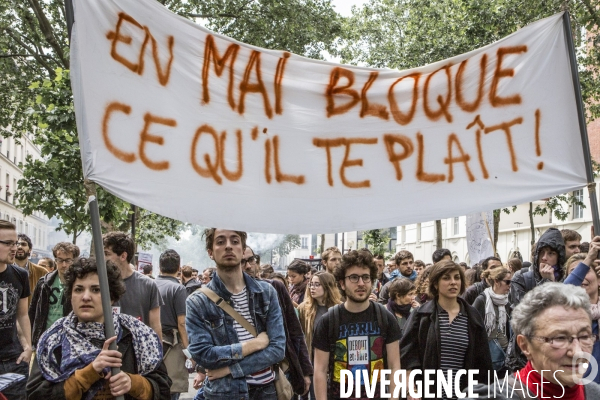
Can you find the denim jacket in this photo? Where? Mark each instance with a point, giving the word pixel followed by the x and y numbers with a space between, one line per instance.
pixel 214 344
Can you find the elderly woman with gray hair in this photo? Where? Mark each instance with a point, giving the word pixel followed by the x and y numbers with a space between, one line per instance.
pixel 554 330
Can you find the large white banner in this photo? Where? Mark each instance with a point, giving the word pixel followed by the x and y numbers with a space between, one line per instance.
pixel 201 128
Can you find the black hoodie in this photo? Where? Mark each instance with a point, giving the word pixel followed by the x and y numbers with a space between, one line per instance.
pixel 524 282
pixel 551 238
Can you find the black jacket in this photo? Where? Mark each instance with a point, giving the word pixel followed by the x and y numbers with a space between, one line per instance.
pixel 296 351
pixel 551 238
pixel 191 286
pixel 40 388
pixel 420 346
pixel 40 306
pixel 474 291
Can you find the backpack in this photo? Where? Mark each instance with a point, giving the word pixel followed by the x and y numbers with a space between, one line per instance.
pixel 333 319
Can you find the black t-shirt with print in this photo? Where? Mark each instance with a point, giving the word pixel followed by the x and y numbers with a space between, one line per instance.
pixel 14 286
pixel 359 345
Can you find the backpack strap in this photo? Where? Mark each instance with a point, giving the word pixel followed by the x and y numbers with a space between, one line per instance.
pixel 382 321
pixel 333 320
pixel 223 305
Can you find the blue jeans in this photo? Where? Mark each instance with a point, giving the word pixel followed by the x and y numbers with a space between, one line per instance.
pixel 17 390
pixel 265 392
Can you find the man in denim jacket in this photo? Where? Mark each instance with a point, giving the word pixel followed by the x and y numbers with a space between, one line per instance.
pixel 238 366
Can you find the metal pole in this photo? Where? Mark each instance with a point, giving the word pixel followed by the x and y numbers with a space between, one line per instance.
pixel 582 124
pixel 109 329
pixel 90 189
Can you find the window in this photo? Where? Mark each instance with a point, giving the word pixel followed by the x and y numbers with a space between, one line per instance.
pixel 578 208
pixel 456 226
pixel 304 242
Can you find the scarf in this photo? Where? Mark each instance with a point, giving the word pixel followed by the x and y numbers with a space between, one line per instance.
pixel 500 300
pixel 533 381
pixel 558 273
pixel 74 339
pixel 595 309
pixel 297 291
pixel 403 310
pixel 397 274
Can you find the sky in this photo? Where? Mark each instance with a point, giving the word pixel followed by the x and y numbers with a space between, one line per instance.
pixel 344 6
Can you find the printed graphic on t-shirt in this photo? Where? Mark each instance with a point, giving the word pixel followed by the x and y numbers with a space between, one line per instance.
pixel 55 310
pixel 359 347
pixel 9 298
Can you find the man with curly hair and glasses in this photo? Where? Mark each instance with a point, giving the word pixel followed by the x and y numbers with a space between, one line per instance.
pixel 356 335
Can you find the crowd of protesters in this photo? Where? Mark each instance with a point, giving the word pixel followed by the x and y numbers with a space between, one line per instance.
pixel 249 332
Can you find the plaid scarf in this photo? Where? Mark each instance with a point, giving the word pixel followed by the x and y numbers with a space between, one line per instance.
pixel 74 339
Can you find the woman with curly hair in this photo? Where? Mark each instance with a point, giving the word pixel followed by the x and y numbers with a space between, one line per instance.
pixel 422 285
pixel 73 356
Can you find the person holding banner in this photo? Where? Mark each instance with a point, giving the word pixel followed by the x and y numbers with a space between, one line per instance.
pixel 73 358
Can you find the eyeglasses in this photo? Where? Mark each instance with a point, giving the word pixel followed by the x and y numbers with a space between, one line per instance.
pixel 9 243
pixel 366 278
pixel 314 284
pixel 251 260
pixel 23 244
pixel 563 341
pixel 67 261
pixel 507 281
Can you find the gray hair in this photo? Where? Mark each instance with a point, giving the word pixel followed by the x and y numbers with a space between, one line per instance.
pixel 543 297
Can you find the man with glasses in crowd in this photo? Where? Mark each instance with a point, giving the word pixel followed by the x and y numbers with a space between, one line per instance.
pixel 49 302
pixel 35 272
pixel 15 354
pixel 363 336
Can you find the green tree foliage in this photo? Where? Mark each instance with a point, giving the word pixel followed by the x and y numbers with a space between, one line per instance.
pixel 377 240
pixel 404 34
pixel 54 184
pixel 290 242
pixel 36 95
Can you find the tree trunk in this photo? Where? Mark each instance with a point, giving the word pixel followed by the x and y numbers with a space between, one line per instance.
pixel 531 223
pixel 438 233
pixel 75 237
pixel 496 228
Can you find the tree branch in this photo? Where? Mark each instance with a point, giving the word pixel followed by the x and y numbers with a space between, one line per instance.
pixel 226 15
pixel 22 55
pixel 593 13
pixel 47 30
pixel 37 57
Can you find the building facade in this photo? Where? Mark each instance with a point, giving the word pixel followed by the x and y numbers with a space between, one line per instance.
pixel 12 157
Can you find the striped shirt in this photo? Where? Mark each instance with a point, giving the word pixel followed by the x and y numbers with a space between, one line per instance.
pixel 240 304
pixel 454 341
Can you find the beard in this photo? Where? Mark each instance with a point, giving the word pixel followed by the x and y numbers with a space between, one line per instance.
pixel 227 267
pixel 357 299
pixel 22 257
